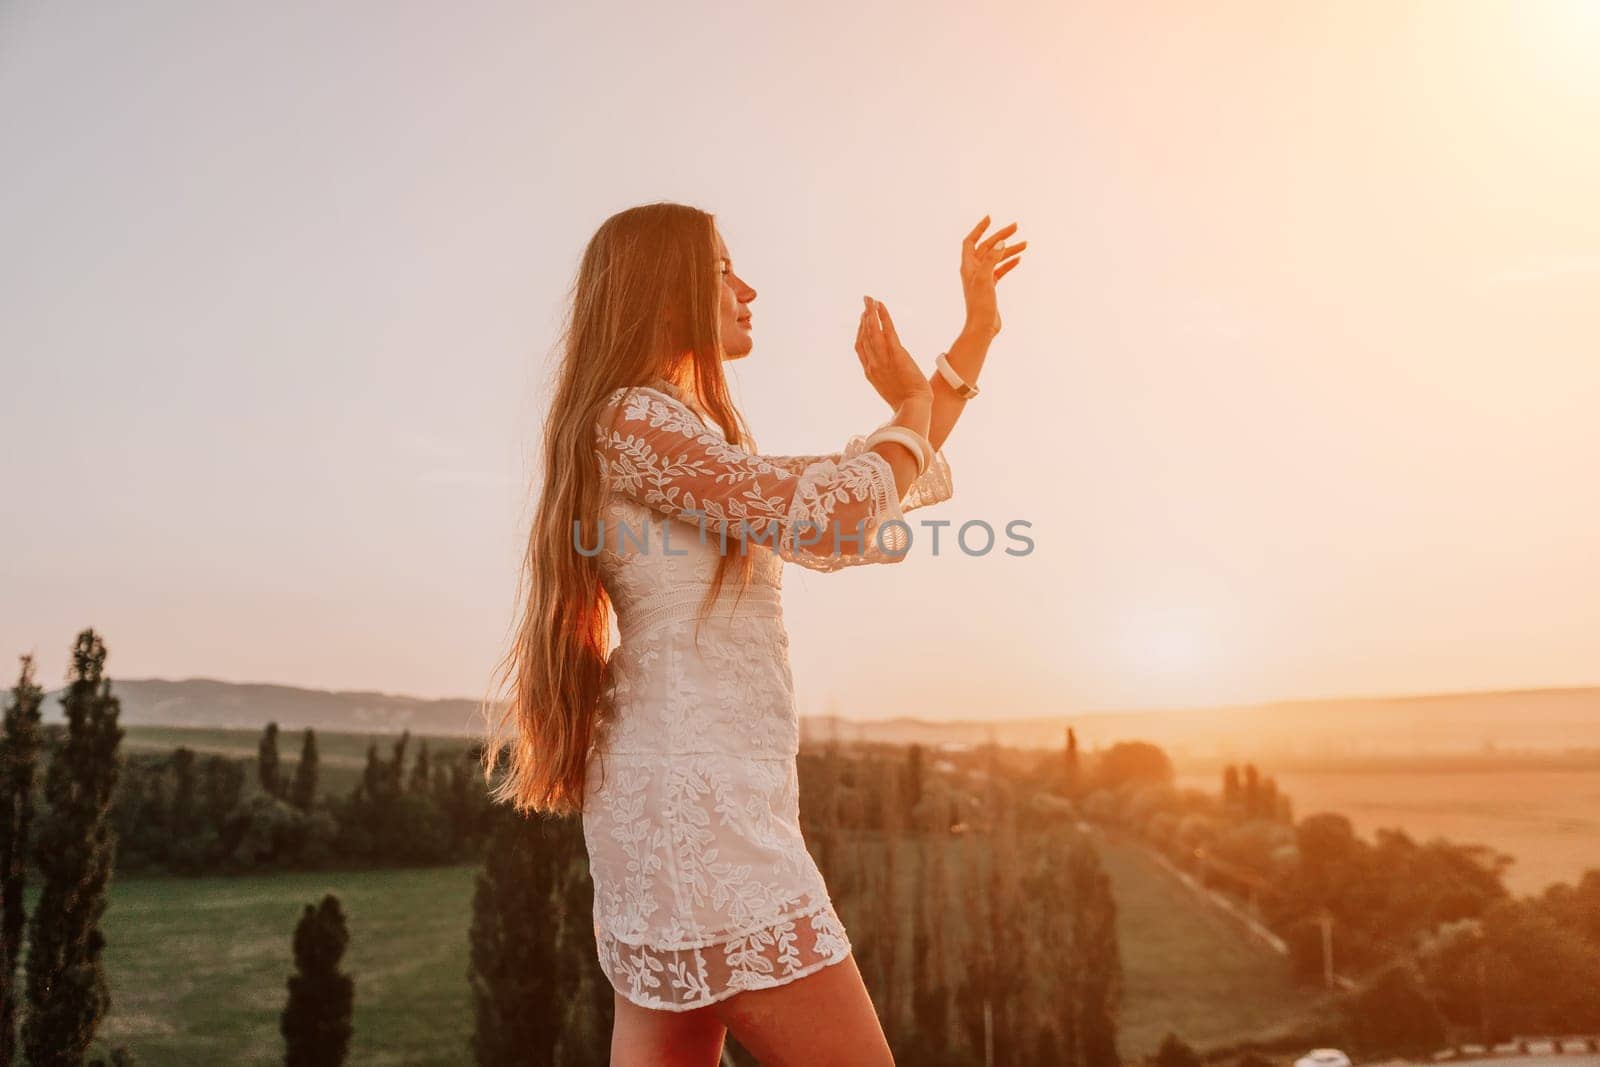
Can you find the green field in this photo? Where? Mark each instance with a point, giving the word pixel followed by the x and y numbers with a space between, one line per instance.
pixel 1187 968
pixel 198 966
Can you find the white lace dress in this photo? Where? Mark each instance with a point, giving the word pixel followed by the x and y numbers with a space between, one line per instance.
pixel 703 885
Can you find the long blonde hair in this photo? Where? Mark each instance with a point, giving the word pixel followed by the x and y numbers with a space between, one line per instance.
pixel 644 305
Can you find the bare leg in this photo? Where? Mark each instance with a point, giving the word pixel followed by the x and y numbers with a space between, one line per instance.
pixel 649 1037
pixel 825 1019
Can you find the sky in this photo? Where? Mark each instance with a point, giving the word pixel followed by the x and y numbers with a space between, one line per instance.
pixel 1297 385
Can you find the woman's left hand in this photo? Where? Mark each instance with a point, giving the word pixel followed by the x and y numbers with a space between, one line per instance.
pixel 982 265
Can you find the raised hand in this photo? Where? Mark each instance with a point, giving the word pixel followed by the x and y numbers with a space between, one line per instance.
pixel 885 361
pixel 982 265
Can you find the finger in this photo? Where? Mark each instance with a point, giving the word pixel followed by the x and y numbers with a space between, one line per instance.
pixel 888 325
pixel 876 342
pixel 977 231
pixel 1001 273
pixel 874 338
pixel 998 235
pixel 1012 250
pixel 994 239
pixel 864 335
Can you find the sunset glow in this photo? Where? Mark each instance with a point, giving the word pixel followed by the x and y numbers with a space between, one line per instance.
pixel 1296 383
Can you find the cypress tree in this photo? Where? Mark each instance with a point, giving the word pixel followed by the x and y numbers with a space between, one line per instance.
pixel 421 771
pixel 586 1031
pixel 992 981
pixel 1098 956
pixel 886 921
pixel 18 759
pixel 518 967
pixel 974 995
pixel 1269 799
pixel 397 764
pixel 303 791
pixel 828 844
pixel 914 777
pixel 316 1022
pixel 586 1027
pixel 222 784
pixel 185 815
pixel 157 815
pixel 932 994
pixel 76 846
pixel 372 776
pixel 1074 765
pixel 268 770
pixel 1008 928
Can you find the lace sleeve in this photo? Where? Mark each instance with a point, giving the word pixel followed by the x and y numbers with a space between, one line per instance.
pixel 836 511
pixel 932 486
pixel 796 465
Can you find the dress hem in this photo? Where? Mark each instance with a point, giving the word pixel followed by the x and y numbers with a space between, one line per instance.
pixel 706 1002
pixel 763 982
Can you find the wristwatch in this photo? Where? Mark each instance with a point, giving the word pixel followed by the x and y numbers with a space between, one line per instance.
pixel 964 390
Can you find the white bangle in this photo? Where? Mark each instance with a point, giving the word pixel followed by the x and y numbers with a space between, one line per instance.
pixel 915 443
pixel 963 389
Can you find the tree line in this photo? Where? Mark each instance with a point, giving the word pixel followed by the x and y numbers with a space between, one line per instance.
pixel 187 815
pixel 1430 947
pixel 980 917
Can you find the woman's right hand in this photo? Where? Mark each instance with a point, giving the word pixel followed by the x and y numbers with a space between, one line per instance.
pixel 885 361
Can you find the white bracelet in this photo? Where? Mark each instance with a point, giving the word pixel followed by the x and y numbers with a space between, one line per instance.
pixel 963 389
pixel 922 443
pixel 915 443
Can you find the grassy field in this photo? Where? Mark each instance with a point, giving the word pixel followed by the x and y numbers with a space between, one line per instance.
pixel 198 967
pixel 1188 969
pixel 1547 820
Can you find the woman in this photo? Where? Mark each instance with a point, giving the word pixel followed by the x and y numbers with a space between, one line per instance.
pixel 679 747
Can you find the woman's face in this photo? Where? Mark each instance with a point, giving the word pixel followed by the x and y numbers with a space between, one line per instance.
pixel 733 311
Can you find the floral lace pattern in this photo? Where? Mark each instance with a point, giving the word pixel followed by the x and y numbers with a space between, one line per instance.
pixel 822 512
pixel 703 883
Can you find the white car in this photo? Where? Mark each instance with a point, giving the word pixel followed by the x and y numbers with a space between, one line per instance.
pixel 1323 1057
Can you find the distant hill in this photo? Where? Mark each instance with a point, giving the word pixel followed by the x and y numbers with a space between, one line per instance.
pixel 212 703
pixel 1547 720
